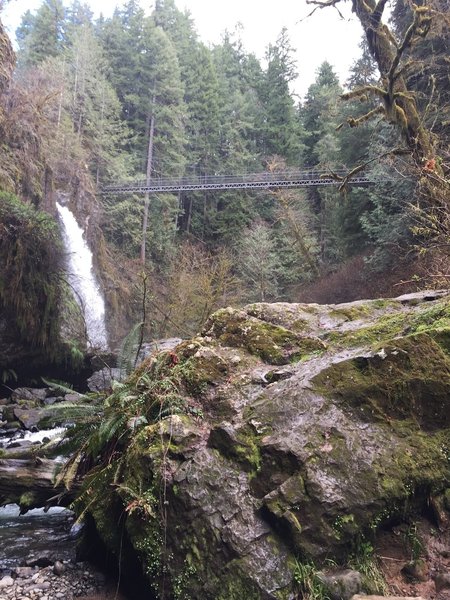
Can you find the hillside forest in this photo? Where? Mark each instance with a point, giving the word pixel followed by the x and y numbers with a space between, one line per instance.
pixel 88 102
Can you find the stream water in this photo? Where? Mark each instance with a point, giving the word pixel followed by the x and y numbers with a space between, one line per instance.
pixel 82 279
pixel 36 536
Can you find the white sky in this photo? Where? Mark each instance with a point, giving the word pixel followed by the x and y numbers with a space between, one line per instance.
pixel 324 36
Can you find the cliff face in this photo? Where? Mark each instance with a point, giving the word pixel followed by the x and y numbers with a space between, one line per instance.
pixel 282 433
pixel 7 59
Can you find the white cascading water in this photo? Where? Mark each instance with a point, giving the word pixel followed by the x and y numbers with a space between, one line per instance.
pixel 82 279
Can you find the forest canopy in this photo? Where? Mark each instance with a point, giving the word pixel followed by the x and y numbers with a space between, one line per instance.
pixel 133 96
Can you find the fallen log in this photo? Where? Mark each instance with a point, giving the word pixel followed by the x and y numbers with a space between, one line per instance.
pixel 30 483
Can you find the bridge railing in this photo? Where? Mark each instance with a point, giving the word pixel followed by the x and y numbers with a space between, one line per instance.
pixel 199 180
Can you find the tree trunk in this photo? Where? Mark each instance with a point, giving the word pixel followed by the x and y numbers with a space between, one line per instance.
pixel 148 179
pixel 30 483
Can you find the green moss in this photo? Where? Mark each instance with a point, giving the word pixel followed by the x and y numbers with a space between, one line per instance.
pixel 27 500
pixel 350 313
pixel 406 380
pixel 274 344
pixel 344 525
pixel 420 462
pixel 240 445
pixel 199 366
pixel 31 259
pixel 300 325
pixel 427 319
pixel 237 585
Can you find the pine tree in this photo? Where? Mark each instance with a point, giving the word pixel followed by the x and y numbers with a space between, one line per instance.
pixel 257 263
pixel 42 35
pixel 320 117
pixel 94 106
pixel 281 134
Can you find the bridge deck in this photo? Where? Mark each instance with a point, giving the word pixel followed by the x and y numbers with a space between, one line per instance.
pixel 252 181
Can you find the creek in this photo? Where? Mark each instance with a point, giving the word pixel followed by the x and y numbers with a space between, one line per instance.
pixel 36 536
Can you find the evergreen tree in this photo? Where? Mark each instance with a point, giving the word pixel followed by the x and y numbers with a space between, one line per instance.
pixel 42 35
pixel 355 149
pixel 94 106
pixel 257 263
pixel 320 116
pixel 281 134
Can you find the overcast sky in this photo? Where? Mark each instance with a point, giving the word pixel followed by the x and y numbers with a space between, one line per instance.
pixel 324 36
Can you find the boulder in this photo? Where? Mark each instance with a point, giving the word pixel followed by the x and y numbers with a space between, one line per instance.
pixel 341 584
pixel 102 380
pixel 33 395
pixel 281 431
pixel 442 581
pixel 28 418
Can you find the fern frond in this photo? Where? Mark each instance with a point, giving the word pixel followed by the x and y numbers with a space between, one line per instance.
pixel 127 355
pixel 69 471
pixel 59 386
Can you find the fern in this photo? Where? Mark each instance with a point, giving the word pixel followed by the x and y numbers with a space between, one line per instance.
pixel 75 411
pixel 62 387
pixel 128 351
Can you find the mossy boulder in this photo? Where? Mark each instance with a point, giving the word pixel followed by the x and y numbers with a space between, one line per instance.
pixel 246 468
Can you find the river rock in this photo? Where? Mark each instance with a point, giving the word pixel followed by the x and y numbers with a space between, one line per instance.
pixel 24 571
pixel 53 400
pixel 442 581
pixel 6 581
pixel 33 395
pixel 102 380
pixel 256 472
pixel 416 570
pixel 162 345
pixel 73 397
pixel 8 412
pixel 59 568
pixel 29 418
pixel 341 584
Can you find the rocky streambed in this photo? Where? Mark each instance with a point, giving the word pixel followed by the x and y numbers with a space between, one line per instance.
pixel 62 581
pixel 38 546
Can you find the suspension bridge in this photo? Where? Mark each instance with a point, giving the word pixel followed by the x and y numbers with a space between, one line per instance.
pixel 250 181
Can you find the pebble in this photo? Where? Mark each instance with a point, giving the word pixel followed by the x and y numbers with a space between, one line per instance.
pixel 72 581
pixel 6 581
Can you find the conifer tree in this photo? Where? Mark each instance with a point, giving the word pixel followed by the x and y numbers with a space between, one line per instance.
pixel 320 116
pixel 281 134
pixel 42 35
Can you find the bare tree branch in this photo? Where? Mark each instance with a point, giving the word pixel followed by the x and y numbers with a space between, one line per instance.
pixel 378 12
pixel 324 4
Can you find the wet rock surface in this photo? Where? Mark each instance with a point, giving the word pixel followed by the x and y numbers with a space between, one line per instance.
pixel 321 425
pixel 299 431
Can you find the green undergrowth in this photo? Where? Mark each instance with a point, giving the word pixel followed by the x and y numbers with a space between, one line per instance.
pixel 123 458
pixel 31 259
pixel 308 581
pixel 364 560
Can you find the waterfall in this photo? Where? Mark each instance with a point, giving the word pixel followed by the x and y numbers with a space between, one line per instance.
pixel 82 279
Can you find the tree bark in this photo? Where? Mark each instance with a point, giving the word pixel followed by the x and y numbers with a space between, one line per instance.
pixel 148 180
pixel 29 482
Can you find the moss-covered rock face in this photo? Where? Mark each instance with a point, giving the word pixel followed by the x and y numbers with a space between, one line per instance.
pixel 282 432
